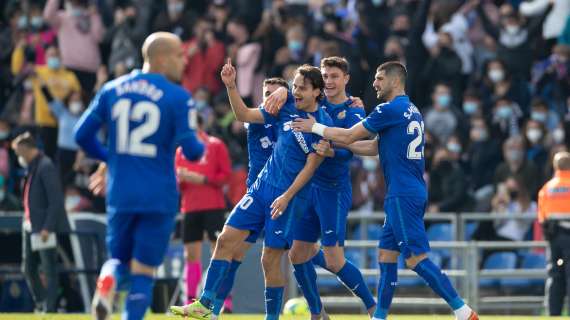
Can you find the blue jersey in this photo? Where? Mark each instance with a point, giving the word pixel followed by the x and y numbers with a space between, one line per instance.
pixel 292 148
pixel 261 139
pixel 335 172
pixel 145 116
pixel 400 129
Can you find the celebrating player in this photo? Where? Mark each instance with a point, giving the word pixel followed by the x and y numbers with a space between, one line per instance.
pixel 277 197
pixel 400 142
pixel 146 116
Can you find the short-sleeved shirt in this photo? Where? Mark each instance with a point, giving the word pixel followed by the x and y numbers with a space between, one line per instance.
pixel 261 139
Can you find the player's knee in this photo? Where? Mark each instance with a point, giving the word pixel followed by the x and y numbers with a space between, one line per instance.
pixel 388 256
pixel 141 268
pixel 226 242
pixel 270 261
pixel 297 255
pixel 413 261
pixel 335 261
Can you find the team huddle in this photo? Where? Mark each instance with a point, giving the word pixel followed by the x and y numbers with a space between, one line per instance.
pixel 300 143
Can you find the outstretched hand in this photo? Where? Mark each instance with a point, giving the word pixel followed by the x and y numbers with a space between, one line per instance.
pixel 228 74
pixel 275 101
pixel 303 125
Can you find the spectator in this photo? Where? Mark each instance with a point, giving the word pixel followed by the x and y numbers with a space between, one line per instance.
pixel 175 17
pixel 539 112
pixel 555 20
pixel 79 32
pixel 44 216
pixel 8 201
pixel 536 152
pixel 506 117
pixel 515 164
pixel 550 76
pixel 368 188
pixel 205 57
pixel 441 119
pixel 202 103
pixel 512 199
pixel 498 82
pixel 447 183
pixel 201 184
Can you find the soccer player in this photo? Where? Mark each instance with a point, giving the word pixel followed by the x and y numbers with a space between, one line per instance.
pixel 277 197
pixel 146 115
pixel 331 199
pixel 400 142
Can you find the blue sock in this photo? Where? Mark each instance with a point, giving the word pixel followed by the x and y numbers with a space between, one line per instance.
pixel 319 259
pixel 386 287
pixel 273 301
pixel 139 297
pixel 307 279
pixel 216 273
pixel 352 278
pixel 439 283
pixel 123 275
pixel 226 287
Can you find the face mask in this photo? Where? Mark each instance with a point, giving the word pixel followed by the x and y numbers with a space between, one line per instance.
pixel 369 164
pixel 469 107
pixel 4 135
pixel 22 22
pixel 504 112
pixel 200 104
pixel 295 45
pixel 514 155
pixel 512 29
pixel 76 107
pixel 22 162
pixel 53 63
pixel 37 21
pixel 533 135
pixel 538 116
pixel 71 202
pixel 496 75
pixel 454 147
pixel 558 136
pixel 443 100
pixel 176 7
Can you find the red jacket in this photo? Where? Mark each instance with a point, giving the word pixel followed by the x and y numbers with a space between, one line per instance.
pixel 215 164
pixel 203 68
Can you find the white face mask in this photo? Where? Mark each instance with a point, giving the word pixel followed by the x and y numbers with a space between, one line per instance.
pixel 496 75
pixel 71 202
pixel 558 135
pixel 76 107
pixel 534 135
pixel 22 162
pixel 512 29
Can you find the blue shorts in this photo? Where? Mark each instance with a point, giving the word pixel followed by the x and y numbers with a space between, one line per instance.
pixel 325 217
pixel 404 229
pixel 253 213
pixel 143 237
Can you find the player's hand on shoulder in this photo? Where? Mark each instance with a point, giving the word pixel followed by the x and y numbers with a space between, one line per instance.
pixel 279 206
pixel 356 102
pixel 303 125
pixel 275 101
pixel 228 74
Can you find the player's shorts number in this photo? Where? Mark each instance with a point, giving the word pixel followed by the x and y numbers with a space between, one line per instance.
pixel 245 202
pixel 130 142
pixel 413 152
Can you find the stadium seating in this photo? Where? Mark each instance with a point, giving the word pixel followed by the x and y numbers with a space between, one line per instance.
pixel 441 232
pixel 529 261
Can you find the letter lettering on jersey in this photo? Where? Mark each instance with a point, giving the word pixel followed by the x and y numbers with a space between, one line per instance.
pixel 411 110
pixel 141 87
pixel 301 141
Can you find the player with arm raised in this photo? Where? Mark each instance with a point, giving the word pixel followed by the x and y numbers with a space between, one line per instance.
pixel 146 115
pixel 277 197
pixel 400 130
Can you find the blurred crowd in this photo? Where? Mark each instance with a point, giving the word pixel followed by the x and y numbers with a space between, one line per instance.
pixel 490 77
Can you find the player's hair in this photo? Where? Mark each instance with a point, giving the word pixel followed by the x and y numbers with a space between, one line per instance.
pixel 336 62
pixel 562 160
pixel 24 140
pixel 277 81
pixel 394 69
pixel 314 76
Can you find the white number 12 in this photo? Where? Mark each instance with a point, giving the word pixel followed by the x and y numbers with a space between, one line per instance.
pixel 413 152
pixel 131 142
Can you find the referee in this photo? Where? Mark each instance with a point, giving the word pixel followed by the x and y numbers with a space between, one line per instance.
pixel 554 198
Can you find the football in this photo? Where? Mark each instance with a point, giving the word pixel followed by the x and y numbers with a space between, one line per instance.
pixel 296 306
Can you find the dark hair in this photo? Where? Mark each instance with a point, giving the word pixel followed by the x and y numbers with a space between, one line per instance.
pixel 277 81
pixel 336 62
pixel 314 76
pixel 25 140
pixel 394 68
pixel 538 102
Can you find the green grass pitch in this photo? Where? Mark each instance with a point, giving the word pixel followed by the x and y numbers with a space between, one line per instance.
pixel 13 316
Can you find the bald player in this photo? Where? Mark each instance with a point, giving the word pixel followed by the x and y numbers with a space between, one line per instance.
pixel 146 117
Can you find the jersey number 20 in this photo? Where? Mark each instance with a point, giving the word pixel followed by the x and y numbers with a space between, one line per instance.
pixel 130 142
pixel 413 152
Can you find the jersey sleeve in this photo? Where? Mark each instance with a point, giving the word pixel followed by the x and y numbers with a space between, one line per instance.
pixel 185 120
pixel 268 118
pixel 380 118
pixel 86 129
pixel 354 116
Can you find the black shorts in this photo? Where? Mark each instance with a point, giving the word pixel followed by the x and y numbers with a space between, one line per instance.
pixel 196 223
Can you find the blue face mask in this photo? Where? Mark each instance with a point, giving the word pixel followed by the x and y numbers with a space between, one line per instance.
pixel 443 100
pixel 538 116
pixel 22 22
pixel 37 21
pixel 470 107
pixel 454 147
pixel 295 45
pixel 200 104
pixel 504 112
pixel 53 63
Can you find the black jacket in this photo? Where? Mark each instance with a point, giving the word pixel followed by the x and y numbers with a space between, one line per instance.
pixel 45 197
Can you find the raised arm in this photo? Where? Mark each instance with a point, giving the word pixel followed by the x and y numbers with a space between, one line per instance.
pixel 241 111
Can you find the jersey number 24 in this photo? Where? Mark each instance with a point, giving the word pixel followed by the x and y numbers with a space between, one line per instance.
pixel 414 152
pixel 130 141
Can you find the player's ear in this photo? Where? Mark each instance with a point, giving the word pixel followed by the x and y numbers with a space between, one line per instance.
pixel 346 78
